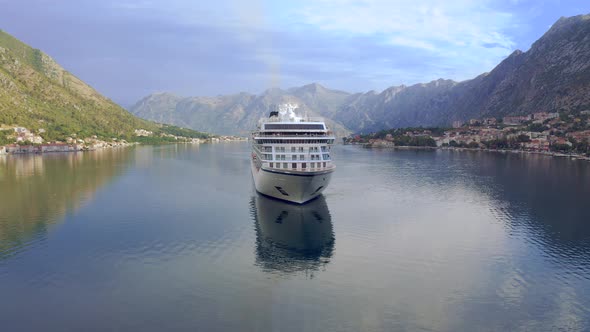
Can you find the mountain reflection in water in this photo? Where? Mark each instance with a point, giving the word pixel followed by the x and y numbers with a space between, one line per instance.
pixel 36 191
pixel 290 237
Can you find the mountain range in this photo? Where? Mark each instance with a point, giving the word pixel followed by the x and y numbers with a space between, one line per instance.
pixel 239 113
pixel 553 75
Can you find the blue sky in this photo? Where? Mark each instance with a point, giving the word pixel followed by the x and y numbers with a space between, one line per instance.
pixel 129 48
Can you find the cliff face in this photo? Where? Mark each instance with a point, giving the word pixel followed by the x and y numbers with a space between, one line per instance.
pixel 553 75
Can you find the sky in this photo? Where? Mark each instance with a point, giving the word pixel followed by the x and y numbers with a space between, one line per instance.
pixel 127 49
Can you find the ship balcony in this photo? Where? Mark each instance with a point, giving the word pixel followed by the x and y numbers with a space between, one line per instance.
pixel 324 166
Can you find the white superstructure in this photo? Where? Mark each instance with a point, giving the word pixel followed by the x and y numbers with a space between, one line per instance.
pixel 291 157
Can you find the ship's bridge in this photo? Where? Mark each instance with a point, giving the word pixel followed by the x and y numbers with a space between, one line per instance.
pixel 302 124
pixel 304 127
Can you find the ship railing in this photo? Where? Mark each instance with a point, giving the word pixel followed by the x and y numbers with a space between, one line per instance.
pixel 302 119
pixel 291 134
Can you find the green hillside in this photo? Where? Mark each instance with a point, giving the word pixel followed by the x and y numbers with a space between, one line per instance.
pixel 35 92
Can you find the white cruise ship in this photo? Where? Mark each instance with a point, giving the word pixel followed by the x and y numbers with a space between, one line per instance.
pixel 291 156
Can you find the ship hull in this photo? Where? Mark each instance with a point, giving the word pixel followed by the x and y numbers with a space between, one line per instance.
pixel 295 187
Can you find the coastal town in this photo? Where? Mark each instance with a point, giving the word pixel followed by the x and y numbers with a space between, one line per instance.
pixel 20 140
pixel 557 133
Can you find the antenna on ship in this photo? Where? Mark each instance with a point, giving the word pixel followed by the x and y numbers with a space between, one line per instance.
pixel 274 111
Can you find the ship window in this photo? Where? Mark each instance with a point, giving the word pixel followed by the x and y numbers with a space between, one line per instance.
pixel 304 126
pixel 285 165
pixel 292 149
pixel 324 164
pixel 272 165
pixel 300 149
pixel 304 165
pixel 301 157
pixel 293 157
pixel 294 165
pixel 312 165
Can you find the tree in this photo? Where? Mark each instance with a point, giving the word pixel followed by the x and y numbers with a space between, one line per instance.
pixel 560 148
pixel 6 137
pixel 537 127
pixel 473 145
pixel 522 138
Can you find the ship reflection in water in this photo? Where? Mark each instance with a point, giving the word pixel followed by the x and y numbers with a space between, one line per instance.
pixel 292 238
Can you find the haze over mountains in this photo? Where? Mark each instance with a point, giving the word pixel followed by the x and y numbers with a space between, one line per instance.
pixel 553 75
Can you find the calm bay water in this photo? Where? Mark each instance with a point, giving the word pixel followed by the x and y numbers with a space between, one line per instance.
pixel 175 238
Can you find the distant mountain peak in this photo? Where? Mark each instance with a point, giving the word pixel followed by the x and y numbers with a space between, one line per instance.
pixel 573 28
pixel 563 21
pixel 273 91
pixel 314 87
pixel 439 82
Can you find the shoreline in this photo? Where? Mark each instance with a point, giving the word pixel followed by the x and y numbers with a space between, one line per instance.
pixel 69 148
pixel 544 153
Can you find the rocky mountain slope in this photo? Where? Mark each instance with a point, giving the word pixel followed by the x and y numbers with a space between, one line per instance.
pixel 553 75
pixel 37 93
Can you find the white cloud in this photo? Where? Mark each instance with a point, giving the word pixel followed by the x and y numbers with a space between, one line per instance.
pixel 467 35
pixel 403 41
pixel 456 23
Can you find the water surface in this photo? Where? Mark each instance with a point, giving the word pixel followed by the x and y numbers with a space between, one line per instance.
pixel 175 238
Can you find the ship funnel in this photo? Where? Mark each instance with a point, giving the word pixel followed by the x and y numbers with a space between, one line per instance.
pixel 274 113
